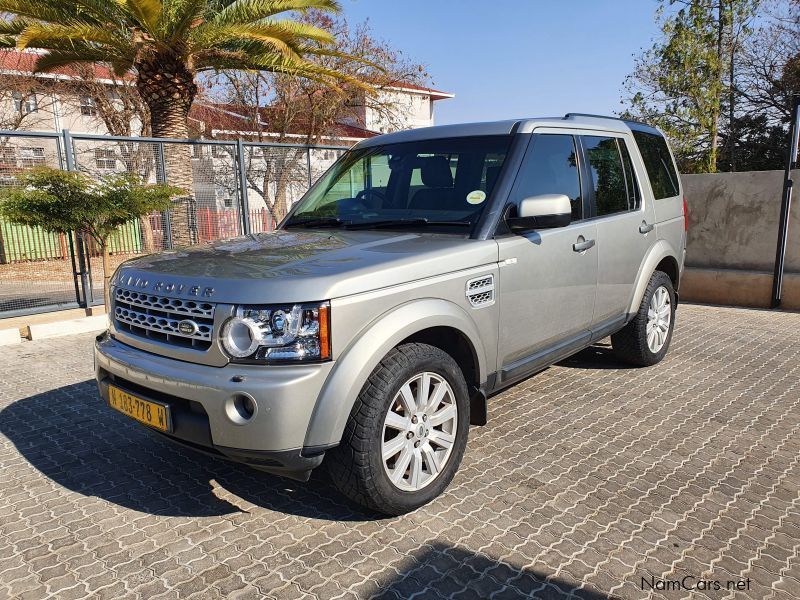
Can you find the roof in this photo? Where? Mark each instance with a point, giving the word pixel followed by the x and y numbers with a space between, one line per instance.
pixel 507 127
pixel 434 94
pixel 14 62
pixel 233 119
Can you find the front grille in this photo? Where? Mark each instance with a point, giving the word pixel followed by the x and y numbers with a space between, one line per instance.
pixel 157 318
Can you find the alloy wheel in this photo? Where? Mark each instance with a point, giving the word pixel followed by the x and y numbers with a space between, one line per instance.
pixel 419 431
pixel 659 319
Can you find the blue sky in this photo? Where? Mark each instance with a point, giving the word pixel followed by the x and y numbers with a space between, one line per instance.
pixel 516 58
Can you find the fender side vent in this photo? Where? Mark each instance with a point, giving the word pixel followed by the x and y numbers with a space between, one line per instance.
pixel 480 291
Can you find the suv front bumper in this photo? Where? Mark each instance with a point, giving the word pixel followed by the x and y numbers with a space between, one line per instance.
pixel 200 399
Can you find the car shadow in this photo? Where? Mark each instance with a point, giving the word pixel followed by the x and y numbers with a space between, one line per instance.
pixel 70 435
pixel 443 571
pixel 596 356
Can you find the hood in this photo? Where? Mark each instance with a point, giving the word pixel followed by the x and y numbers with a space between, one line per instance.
pixel 303 266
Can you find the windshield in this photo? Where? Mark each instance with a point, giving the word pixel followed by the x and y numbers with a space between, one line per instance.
pixel 443 184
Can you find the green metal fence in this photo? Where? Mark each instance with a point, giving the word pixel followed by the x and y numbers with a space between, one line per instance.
pixel 20 243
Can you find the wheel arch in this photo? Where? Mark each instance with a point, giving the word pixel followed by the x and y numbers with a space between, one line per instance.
pixel 661 257
pixel 455 343
pixel 428 320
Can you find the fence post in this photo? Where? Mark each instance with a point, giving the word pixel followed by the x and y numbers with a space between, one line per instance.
pixel 161 177
pixel 69 150
pixel 244 204
pixel 84 296
pixel 71 250
pixel 786 206
pixel 308 165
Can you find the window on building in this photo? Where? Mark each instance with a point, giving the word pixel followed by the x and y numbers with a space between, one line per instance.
pixel 608 174
pixel 8 154
pixel 31 157
pixel 25 104
pixel 551 167
pixel 88 106
pixel 105 158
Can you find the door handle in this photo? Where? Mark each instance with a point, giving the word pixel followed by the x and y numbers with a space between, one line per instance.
pixel 582 245
pixel 645 227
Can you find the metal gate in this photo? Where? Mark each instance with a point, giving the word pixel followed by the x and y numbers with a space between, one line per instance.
pixel 234 187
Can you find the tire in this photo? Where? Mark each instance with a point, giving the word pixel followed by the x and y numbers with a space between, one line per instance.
pixel 357 465
pixel 632 343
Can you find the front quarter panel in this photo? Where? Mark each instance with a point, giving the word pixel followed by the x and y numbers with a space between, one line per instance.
pixel 355 363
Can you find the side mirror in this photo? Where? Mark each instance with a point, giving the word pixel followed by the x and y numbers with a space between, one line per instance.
pixel 542 212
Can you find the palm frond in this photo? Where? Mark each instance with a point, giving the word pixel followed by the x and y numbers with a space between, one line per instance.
pixel 100 11
pixel 146 12
pixel 284 37
pixel 39 35
pixel 55 59
pixel 255 57
pixel 121 67
pixel 248 11
pixel 232 36
pixel 9 30
pixel 179 16
pixel 49 11
pixel 14 26
pixel 317 50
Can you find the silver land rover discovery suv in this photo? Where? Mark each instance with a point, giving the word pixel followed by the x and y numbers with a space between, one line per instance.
pixel 424 272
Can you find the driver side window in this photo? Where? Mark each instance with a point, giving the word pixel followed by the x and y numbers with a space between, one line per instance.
pixel 551 167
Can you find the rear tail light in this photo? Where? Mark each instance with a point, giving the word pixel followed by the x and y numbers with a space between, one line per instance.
pixel 685 215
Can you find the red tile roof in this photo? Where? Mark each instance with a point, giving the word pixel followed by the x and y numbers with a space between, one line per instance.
pixel 434 94
pixel 232 118
pixel 24 62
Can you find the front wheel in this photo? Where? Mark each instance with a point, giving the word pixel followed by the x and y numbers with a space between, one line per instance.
pixel 407 432
pixel 645 340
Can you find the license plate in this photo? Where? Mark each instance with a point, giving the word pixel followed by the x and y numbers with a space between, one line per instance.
pixel 148 412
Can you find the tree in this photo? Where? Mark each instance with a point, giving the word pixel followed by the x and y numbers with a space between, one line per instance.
pixel 769 72
pixel 683 82
pixel 68 201
pixel 759 144
pixel 283 109
pixel 166 44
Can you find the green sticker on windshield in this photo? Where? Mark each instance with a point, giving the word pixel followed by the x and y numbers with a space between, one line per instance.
pixel 476 197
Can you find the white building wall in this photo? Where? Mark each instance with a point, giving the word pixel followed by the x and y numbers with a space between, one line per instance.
pixel 409 110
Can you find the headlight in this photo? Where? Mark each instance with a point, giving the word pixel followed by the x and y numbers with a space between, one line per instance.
pixel 275 334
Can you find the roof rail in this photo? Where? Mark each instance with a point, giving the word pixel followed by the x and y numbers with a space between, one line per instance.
pixel 571 115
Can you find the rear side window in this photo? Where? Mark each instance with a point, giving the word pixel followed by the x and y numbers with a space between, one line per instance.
pixel 658 162
pixel 551 167
pixel 634 198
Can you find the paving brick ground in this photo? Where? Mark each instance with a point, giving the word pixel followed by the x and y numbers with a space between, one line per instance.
pixel 590 480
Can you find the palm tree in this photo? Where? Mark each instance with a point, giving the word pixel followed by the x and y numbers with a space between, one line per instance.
pixel 166 43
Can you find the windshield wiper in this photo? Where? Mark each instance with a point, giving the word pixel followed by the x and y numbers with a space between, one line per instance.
pixel 316 222
pixel 405 223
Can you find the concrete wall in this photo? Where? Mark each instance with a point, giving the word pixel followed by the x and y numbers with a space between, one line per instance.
pixel 733 232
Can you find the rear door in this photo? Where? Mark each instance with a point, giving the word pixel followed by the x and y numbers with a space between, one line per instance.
pixel 665 184
pixel 625 224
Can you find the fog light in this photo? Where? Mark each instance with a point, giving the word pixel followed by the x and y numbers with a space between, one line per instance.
pixel 241 408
